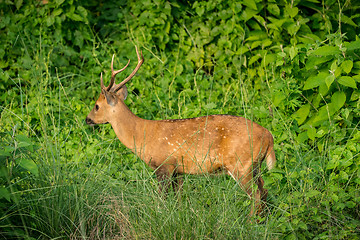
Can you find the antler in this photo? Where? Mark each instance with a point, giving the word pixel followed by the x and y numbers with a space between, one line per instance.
pixel 140 62
pixel 114 73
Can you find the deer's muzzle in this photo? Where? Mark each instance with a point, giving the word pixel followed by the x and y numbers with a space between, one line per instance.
pixel 89 121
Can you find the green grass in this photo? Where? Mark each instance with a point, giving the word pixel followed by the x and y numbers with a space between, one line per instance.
pixel 89 186
pixel 61 179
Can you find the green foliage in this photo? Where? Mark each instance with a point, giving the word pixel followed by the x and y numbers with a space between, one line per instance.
pixel 294 67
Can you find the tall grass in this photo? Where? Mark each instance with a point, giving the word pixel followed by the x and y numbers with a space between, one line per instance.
pixel 76 193
pixel 90 187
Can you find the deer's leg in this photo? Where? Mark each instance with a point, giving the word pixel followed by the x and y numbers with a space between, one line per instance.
pixel 246 182
pixel 242 177
pixel 261 193
pixel 163 174
pixel 177 182
pixel 245 178
pixel 164 177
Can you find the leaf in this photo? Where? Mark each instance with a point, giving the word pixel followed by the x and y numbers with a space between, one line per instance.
pixel 4 64
pixel 293 28
pixel 347 66
pixel 314 61
pixel 23 141
pixel 253 59
pixel 57 12
pixel 317 218
pixel 350 204
pixel 248 13
pixel 335 197
pixel 333 163
pixel 75 17
pixel 356 78
pixel 210 106
pixel 329 80
pixel 337 101
pixel 302 225
pixel 6 152
pixel 18 4
pixel 347 81
pixel 291 11
pixel 323 89
pixel 4 193
pixel 278 98
pixel 311 132
pixel 293 52
pixel 251 4
pixel 269 58
pixel 315 81
pixel 322 115
pixel 82 11
pixel 301 114
pixel 357 64
pixel 353 45
pixel 29 165
pixel 355 95
pixel 273 9
pixel 200 10
pixel 50 20
pixel 312 193
pixel 345 19
pixel 343 175
pixel 326 51
pixel 59 2
pixel 309 38
pixel 333 66
pixel 356 136
pixel 345 162
pixel 79 39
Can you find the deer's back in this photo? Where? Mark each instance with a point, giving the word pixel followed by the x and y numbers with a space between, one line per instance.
pixel 204 144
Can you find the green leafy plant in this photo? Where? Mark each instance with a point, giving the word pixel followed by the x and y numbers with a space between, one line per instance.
pixel 292 66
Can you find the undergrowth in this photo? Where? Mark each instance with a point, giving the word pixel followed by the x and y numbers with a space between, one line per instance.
pixel 291 67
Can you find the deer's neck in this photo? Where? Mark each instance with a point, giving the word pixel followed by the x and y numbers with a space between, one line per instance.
pixel 128 127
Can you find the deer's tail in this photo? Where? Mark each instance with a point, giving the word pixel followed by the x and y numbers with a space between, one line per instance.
pixel 271 159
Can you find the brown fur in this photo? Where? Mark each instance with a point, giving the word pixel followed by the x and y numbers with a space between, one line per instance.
pixel 191 146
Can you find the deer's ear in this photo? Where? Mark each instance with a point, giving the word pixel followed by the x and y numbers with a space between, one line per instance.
pixel 122 93
pixel 110 98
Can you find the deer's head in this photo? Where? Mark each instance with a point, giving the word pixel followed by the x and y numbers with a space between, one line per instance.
pixel 111 94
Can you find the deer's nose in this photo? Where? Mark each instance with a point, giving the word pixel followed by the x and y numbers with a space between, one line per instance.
pixel 89 121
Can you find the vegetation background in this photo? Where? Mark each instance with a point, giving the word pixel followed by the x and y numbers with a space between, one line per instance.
pixel 292 66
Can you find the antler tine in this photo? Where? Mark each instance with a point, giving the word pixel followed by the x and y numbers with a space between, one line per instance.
pixel 113 73
pixel 102 82
pixel 140 62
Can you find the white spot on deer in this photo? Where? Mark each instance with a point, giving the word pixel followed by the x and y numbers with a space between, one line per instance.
pixel 166 138
pixel 224 137
pixel 223 129
pixel 216 128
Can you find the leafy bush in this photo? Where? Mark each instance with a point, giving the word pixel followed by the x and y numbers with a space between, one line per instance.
pixel 293 67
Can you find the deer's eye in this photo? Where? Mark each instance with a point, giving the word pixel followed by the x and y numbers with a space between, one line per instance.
pixel 96 107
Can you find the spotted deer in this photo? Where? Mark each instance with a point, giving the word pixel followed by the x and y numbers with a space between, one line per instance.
pixel 188 146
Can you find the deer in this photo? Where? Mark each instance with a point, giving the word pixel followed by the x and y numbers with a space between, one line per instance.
pixel 200 145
